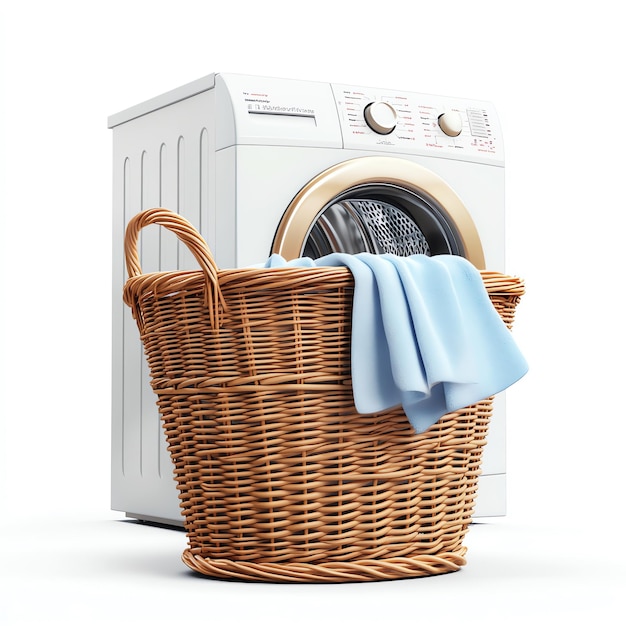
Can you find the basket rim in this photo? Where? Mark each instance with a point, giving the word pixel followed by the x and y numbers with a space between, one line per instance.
pixel 280 277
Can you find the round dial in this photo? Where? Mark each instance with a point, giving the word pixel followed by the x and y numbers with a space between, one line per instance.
pixel 451 123
pixel 380 117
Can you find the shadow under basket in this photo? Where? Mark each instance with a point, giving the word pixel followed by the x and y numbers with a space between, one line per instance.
pixel 280 479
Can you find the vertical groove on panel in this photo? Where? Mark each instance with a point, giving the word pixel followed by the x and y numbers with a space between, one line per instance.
pixel 204 178
pixel 126 210
pixel 142 365
pixel 162 170
pixel 162 163
pixel 180 187
pixel 144 181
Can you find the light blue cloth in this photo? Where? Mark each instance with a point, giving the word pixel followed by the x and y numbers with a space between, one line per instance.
pixel 425 334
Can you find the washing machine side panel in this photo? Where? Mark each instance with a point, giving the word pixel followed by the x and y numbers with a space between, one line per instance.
pixel 136 471
pixel 126 352
pixel 164 158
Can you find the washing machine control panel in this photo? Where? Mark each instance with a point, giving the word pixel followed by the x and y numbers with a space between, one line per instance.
pixel 269 111
pixel 409 122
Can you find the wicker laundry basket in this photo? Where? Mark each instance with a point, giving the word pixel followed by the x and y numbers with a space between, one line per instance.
pixel 280 479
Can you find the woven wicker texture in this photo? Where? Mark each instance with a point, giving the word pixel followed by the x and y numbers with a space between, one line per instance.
pixel 279 477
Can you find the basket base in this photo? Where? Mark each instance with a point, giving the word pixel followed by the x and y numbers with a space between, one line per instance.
pixel 334 572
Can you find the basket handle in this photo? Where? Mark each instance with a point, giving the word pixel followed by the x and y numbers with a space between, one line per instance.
pixel 188 235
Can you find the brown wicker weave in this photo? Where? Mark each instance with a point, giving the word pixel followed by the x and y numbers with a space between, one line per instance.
pixel 279 477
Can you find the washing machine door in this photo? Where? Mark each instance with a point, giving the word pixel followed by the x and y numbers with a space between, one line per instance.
pixel 378 205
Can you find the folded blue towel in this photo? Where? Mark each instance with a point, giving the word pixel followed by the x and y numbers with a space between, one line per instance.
pixel 425 334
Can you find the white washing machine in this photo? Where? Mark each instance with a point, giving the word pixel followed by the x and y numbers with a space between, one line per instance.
pixel 262 165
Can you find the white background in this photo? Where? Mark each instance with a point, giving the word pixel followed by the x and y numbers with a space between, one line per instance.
pixel 554 70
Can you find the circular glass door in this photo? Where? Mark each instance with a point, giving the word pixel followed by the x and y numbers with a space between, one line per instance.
pixel 378 205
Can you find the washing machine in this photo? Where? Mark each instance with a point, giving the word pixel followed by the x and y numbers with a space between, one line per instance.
pixel 301 168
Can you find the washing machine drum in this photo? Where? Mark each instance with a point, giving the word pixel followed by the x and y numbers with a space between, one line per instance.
pixel 378 205
pixel 368 222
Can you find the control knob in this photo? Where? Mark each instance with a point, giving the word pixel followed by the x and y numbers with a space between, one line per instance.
pixel 380 117
pixel 451 123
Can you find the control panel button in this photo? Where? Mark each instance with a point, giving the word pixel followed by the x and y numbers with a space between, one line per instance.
pixel 451 123
pixel 380 117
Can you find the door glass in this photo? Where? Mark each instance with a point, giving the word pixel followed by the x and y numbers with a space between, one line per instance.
pixel 381 219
